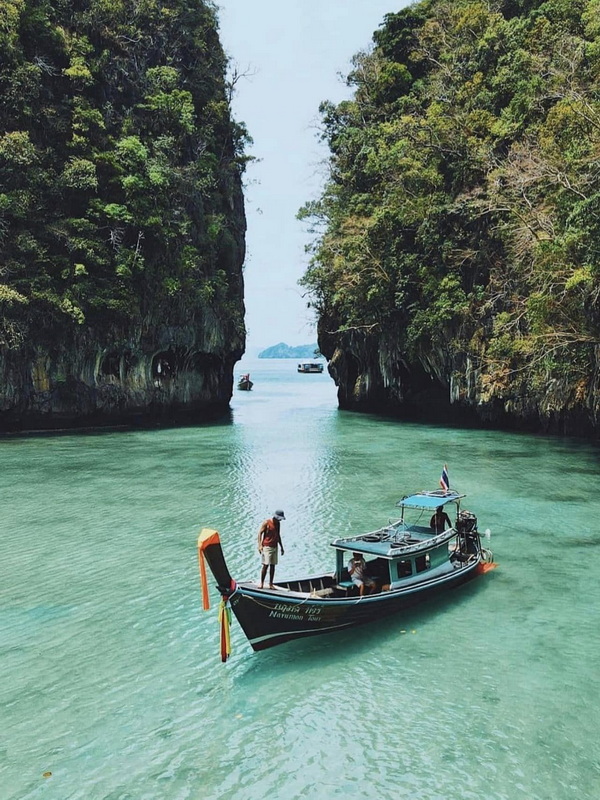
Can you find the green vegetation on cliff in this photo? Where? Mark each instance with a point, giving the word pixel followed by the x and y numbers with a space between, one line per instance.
pixel 462 212
pixel 120 169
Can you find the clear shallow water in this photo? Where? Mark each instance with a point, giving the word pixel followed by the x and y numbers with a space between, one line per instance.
pixel 111 677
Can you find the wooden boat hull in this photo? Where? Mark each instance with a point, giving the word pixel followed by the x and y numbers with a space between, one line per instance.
pixel 269 618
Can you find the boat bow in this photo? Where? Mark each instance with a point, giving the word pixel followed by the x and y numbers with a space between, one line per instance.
pixel 211 552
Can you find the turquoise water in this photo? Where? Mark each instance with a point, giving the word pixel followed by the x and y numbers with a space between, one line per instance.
pixel 111 676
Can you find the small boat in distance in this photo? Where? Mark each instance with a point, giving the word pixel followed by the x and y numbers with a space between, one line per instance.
pixel 409 562
pixel 244 383
pixel 312 367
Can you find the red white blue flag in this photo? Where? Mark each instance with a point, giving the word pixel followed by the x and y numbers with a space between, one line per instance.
pixel 444 479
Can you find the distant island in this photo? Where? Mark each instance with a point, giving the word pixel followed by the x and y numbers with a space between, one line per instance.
pixel 283 350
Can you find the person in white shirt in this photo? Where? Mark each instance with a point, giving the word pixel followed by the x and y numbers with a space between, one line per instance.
pixel 358 576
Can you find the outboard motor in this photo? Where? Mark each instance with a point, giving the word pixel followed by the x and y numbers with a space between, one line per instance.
pixel 466 523
pixel 466 526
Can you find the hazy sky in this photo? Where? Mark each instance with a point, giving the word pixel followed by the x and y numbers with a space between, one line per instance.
pixel 293 51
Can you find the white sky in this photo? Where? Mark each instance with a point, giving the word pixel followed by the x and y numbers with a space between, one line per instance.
pixel 294 51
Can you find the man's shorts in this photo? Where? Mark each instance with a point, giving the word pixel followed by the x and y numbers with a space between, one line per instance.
pixel 364 580
pixel 269 555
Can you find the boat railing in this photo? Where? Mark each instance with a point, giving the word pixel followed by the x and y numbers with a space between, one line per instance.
pixel 409 545
pixel 401 538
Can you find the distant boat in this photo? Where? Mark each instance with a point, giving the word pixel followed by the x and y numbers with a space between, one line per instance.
pixel 312 367
pixel 244 383
pixel 408 562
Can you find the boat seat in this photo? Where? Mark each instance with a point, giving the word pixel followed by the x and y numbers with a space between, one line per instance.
pixel 347 587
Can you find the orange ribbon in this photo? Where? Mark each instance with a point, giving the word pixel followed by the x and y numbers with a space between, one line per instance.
pixel 206 538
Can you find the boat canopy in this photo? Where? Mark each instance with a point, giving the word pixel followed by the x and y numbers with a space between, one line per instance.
pixel 429 500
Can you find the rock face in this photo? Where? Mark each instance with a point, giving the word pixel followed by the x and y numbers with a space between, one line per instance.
pixel 162 373
pixel 371 375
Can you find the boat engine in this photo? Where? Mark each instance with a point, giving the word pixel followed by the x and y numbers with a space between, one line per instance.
pixel 468 536
pixel 466 522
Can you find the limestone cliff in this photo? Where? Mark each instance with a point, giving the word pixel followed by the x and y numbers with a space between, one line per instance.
pixel 122 225
pixel 449 385
pixel 455 267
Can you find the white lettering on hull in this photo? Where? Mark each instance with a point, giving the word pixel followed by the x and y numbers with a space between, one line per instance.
pixel 282 611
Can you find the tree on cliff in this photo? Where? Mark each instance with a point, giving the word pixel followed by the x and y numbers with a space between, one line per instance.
pixel 461 215
pixel 120 165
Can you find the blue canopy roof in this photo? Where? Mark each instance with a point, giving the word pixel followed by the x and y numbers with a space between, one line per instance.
pixel 429 500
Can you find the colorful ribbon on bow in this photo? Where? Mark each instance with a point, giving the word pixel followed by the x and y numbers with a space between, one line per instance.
pixel 206 538
pixel 225 622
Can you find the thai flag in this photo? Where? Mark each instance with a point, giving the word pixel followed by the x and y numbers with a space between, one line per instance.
pixel 444 479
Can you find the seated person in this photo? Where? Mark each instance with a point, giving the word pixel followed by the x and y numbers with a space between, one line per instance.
pixel 356 568
pixel 439 520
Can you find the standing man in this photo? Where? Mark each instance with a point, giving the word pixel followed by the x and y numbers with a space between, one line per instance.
pixel 439 520
pixel 268 539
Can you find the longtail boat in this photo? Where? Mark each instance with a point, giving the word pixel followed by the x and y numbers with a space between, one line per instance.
pixel 244 383
pixel 408 563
